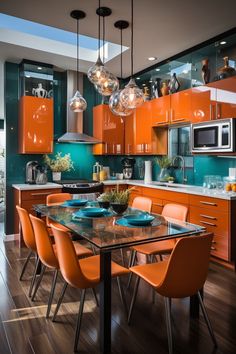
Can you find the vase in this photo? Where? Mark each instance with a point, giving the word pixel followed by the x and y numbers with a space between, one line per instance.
pixel 156 88
pixel 174 84
pixel 39 91
pixel 163 175
pixel 226 70
pixel 205 71
pixel 56 176
pixel 164 89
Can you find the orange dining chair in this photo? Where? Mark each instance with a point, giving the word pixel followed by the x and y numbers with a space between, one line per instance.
pixel 142 203
pixel 56 199
pixel 29 240
pixel 47 254
pixel 182 275
pixel 82 274
pixel 172 211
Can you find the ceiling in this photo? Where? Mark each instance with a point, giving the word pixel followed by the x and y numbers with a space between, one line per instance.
pixel 161 28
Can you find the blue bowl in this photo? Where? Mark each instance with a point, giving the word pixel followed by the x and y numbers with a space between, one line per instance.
pixel 76 202
pixel 139 219
pixel 92 211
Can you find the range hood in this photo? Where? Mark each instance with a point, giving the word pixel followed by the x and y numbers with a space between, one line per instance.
pixel 74 121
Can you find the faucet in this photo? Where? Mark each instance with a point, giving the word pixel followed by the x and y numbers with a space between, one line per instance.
pixel 184 178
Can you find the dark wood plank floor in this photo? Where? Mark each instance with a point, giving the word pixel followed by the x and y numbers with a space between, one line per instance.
pixel 24 329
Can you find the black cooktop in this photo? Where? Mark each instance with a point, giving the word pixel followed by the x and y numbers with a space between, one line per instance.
pixel 76 181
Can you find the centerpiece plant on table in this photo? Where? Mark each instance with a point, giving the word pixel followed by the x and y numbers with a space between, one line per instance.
pixel 59 164
pixel 117 199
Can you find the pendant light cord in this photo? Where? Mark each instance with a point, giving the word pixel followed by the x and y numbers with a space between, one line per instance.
pixel 99 29
pixel 121 53
pixel 132 38
pixel 103 39
pixel 77 62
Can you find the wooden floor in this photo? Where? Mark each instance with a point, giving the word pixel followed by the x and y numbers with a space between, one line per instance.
pixel 24 329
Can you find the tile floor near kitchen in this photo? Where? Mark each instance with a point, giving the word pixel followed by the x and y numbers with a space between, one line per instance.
pixel 24 329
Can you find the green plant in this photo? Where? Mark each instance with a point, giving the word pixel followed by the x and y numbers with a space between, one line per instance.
pixel 164 162
pixel 104 197
pixel 116 196
pixel 59 163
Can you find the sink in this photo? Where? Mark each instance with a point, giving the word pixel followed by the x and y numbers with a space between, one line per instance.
pixel 170 185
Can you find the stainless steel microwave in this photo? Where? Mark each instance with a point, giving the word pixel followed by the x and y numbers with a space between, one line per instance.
pixel 213 136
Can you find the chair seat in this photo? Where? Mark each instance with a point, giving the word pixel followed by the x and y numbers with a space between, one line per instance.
pixel 154 248
pixel 91 268
pixel 152 273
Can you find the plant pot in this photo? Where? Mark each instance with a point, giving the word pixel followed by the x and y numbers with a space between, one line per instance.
pixel 163 175
pixel 104 204
pixel 56 176
pixel 119 208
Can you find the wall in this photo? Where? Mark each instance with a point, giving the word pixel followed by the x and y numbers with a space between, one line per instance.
pixel 2 105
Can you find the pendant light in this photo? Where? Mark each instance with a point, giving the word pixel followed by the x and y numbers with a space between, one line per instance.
pixel 104 81
pixel 111 84
pixel 77 103
pixel 98 73
pixel 132 96
pixel 115 104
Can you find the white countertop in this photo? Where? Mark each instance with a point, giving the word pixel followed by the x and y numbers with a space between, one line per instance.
pixel 31 187
pixel 174 187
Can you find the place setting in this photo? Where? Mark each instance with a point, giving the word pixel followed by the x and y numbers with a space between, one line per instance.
pixel 75 203
pixel 91 212
pixel 141 219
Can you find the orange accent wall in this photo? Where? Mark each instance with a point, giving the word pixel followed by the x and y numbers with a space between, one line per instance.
pixel 35 125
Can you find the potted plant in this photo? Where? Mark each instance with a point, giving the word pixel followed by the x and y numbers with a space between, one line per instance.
pixel 164 163
pixel 59 164
pixel 104 200
pixel 119 199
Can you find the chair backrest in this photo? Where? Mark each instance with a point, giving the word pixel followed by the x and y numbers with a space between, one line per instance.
pixel 27 228
pixel 142 203
pixel 57 198
pixel 68 261
pixel 175 211
pixel 187 267
pixel 44 245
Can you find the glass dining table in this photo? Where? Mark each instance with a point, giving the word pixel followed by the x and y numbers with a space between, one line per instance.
pixel 108 233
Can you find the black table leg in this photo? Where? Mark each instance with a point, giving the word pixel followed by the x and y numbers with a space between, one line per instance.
pixel 194 305
pixel 39 267
pixel 105 302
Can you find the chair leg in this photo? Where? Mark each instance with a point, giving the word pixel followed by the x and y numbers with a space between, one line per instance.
pixel 52 292
pixel 59 301
pixel 34 276
pixel 210 329
pixel 122 295
pixel 133 299
pixel 131 264
pixel 95 296
pixel 38 282
pixel 25 265
pixel 168 323
pixel 122 257
pixel 79 319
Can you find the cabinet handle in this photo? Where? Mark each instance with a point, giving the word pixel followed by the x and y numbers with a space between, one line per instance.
pixel 218 113
pixel 213 248
pixel 208 217
pixel 157 204
pixel 45 193
pixel 159 123
pixel 178 120
pixel 208 203
pixel 210 111
pixel 135 190
pixel 207 223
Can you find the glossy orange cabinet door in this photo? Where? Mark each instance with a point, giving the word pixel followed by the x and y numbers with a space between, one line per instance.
pixel 130 129
pixel 160 110
pixel 109 129
pixel 203 103
pixel 144 132
pixel 226 98
pixel 181 110
pixel 35 125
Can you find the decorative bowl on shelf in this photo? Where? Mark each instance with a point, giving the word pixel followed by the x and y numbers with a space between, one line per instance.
pixel 119 208
pixel 93 212
pixel 141 219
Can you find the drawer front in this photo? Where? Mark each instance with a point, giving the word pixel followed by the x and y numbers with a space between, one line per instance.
pixel 38 194
pixel 214 221
pixel 220 247
pixel 28 205
pixel 174 197
pixel 209 203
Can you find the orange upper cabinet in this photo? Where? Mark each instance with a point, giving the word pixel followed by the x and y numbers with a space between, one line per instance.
pixel 109 129
pixel 160 111
pixel 35 125
pixel 225 98
pixel 181 110
pixel 203 103
pixel 130 129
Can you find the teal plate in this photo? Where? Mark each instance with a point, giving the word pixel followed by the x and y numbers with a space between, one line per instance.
pixel 141 219
pixel 124 222
pixel 75 203
pixel 80 215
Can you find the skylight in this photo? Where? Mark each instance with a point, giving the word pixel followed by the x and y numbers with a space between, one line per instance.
pixel 48 36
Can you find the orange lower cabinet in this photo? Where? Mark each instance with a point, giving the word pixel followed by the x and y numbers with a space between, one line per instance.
pixel 181 110
pixel 35 125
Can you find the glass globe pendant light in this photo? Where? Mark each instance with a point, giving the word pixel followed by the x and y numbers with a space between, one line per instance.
pixel 115 104
pixel 77 102
pixel 132 96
